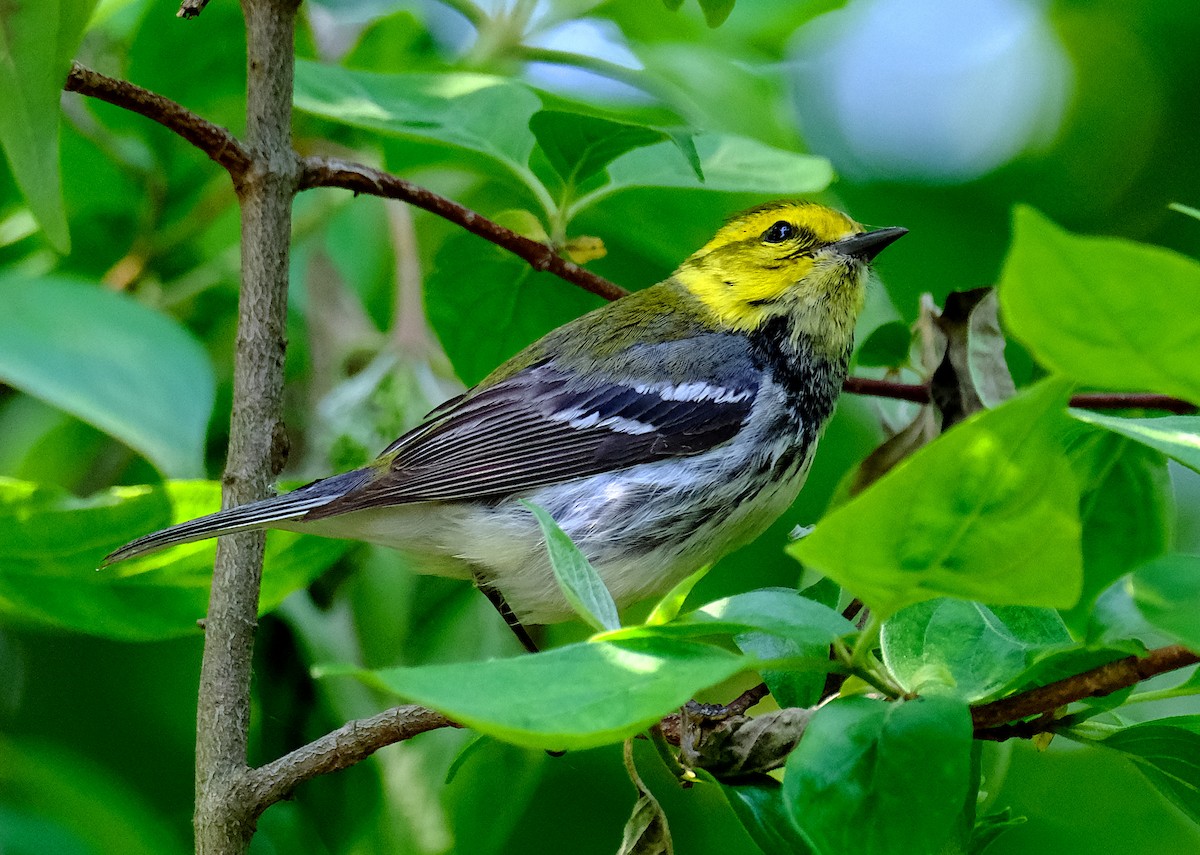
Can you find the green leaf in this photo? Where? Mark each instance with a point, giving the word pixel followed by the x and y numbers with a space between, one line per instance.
pixel 1103 311
pixel 37 41
pixel 716 11
pixel 840 784
pixel 668 608
pixel 578 696
pixel 577 578
pixel 1167 593
pixel 781 612
pixel 965 647
pixel 1178 437
pixel 132 372
pixel 988 512
pixel 1185 209
pixel 729 164
pixel 579 145
pixel 887 346
pixel 1167 752
pixel 479 113
pixel 1126 513
pixel 51 544
pixel 758 805
pixel 485 304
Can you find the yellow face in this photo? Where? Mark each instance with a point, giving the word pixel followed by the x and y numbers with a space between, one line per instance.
pixel 782 258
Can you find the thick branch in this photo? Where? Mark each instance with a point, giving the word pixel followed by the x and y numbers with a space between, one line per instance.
pixel 331 172
pixel 1090 684
pixel 214 140
pixel 223 820
pixel 341 749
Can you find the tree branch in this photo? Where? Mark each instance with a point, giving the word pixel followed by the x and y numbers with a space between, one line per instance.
pixel 341 749
pixel 191 8
pixel 1090 684
pixel 214 140
pixel 332 172
pixel 223 820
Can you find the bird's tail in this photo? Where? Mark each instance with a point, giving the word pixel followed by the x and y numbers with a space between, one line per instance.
pixel 249 517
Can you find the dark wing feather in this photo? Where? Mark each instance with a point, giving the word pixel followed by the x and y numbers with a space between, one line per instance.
pixel 540 427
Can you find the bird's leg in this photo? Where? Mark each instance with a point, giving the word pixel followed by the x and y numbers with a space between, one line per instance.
pixel 497 600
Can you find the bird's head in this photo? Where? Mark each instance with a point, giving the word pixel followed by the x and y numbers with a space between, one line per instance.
pixel 799 260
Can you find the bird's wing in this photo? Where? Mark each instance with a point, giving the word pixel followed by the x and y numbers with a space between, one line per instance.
pixel 547 424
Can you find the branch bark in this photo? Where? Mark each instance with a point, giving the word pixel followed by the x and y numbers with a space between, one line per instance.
pixel 332 172
pixel 223 819
pixel 1090 684
pixel 215 141
pixel 341 749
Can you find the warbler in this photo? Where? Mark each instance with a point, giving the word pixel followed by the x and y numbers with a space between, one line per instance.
pixel 660 431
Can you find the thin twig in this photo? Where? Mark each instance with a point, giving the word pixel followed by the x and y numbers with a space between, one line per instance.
pixel 1090 684
pixel 1115 401
pixel 341 749
pixel 333 172
pixel 191 8
pixel 214 140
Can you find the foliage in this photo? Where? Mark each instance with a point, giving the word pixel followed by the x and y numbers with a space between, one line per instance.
pixel 1030 542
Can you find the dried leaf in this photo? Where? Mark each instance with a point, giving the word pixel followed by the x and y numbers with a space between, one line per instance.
pixel 739 745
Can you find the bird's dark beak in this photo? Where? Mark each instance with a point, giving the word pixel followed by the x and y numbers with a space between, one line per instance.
pixel 869 244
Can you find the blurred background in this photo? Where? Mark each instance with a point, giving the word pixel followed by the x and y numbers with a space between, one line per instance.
pixel 936 115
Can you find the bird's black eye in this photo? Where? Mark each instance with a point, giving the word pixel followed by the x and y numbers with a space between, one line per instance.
pixel 779 232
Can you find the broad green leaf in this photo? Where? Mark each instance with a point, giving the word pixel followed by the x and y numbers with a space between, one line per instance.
pixel 1103 311
pixel 578 145
pixel 887 346
pixel 37 41
pixel 777 611
pixel 790 687
pixel 578 696
pixel 485 304
pixel 730 164
pixel 1178 437
pixel 110 361
pixel 1126 513
pixel 51 544
pixel 965 648
pixel 1167 593
pixel 988 512
pixel 1167 752
pixel 758 805
pixel 577 578
pixel 477 112
pixel 841 783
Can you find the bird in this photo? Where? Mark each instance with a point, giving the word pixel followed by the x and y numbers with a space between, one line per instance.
pixel 660 431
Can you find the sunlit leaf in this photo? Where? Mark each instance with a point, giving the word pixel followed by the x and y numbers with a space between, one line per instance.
pixel 987 512
pixel 1178 437
pixel 1103 311
pixel 577 578
pixel 578 696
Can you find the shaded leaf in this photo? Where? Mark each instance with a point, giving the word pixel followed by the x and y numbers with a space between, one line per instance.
pixel 106 359
pixel 887 346
pixel 973 374
pixel 965 648
pixel 1167 593
pixel 758 805
pixel 1167 752
pixel 840 784
pixel 579 145
pixel 37 41
pixel 1103 311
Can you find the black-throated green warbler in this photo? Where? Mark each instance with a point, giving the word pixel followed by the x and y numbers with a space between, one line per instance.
pixel 660 431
